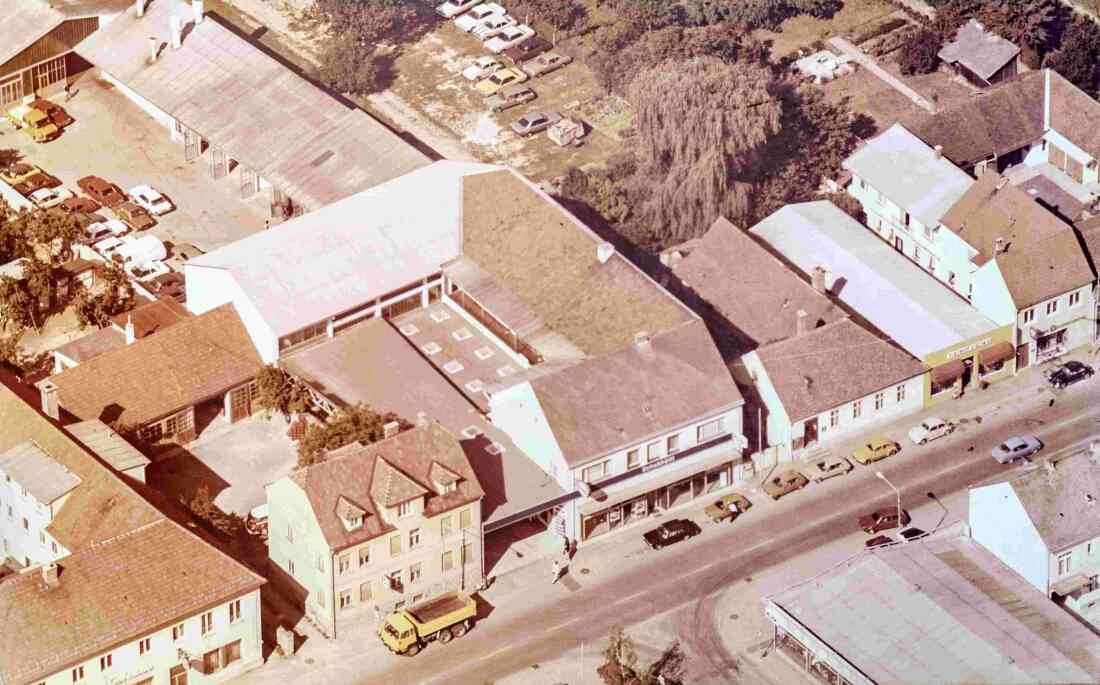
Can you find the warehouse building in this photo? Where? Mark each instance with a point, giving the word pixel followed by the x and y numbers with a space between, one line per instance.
pixel 36 48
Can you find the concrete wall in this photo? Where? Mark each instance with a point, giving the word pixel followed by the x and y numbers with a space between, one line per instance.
pixel 1001 524
pixel 1071 149
pixel 991 296
pixel 294 542
pixel 209 287
pixel 31 545
pixel 129 665
pixel 518 413
pixel 777 427
pixel 162 117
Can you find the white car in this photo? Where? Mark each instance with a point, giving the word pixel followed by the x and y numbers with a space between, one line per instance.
pixel 482 67
pixel 147 271
pixel 493 26
pixel 103 229
pixel 511 35
pixel 467 22
pixel 930 429
pixel 43 198
pixel 150 200
pixel 108 246
pixel 453 8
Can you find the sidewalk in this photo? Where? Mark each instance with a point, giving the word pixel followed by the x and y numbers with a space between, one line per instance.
pixel 869 62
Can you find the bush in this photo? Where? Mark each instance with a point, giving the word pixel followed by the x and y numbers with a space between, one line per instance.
pixel 920 55
pixel 876 30
pixel 565 15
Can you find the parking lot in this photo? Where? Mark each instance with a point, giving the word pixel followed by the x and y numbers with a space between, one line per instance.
pixel 114 139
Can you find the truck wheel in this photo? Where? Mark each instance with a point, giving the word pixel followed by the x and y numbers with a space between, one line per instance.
pixel 444 636
pixel 413 650
pixel 459 630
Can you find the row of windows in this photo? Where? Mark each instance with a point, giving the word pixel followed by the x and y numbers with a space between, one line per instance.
pixel 654 451
pixel 395 579
pixel 178 424
pixel 878 401
pixel 1052 306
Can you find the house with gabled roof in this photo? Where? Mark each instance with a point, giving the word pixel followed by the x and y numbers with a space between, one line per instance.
pixel 981 56
pixel 376 527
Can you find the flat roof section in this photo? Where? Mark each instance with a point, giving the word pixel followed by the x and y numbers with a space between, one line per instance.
pixel 310 145
pixel 898 297
pixel 941 610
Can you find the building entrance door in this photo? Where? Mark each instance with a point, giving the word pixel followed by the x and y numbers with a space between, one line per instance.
pixel 240 404
pixel 1023 356
pixel 811 432
pixel 899 244
pixel 190 145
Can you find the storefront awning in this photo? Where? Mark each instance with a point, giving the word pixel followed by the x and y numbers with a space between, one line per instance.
pixel 1000 352
pixel 1067 585
pixel 947 373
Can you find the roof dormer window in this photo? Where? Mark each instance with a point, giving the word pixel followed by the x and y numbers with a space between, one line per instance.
pixel 350 514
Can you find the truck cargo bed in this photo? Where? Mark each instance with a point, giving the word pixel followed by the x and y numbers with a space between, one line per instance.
pixel 433 609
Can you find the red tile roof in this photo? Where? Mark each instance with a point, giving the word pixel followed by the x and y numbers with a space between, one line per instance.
pixel 111 594
pixel 176 368
pixel 408 457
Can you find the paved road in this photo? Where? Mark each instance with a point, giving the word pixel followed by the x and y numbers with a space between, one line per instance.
pixel 691 573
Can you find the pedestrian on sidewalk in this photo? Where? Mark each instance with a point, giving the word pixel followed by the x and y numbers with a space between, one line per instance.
pixel 556 571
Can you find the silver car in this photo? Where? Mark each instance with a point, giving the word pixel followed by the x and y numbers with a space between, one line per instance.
pixel 533 122
pixel 1017 447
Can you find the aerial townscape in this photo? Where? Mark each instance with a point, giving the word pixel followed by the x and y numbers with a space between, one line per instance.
pixel 549 342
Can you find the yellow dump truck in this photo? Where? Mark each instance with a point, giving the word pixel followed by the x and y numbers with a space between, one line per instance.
pixel 407 631
pixel 35 122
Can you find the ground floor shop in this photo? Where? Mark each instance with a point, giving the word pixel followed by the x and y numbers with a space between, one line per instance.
pixel 804 648
pixel 1041 345
pixel 971 364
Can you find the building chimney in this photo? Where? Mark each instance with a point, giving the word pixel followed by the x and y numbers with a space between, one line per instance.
pixel 130 337
pixel 998 246
pixel 391 428
pixel 803 321
pixel 139 8
pixel 51 575
pixel 422 419
pixel 48 390
pixel 197 10
pixel 604 251
pixel 154 43
pixel 641 340
pixel 937 152
pixel 175 26
pixel 818 279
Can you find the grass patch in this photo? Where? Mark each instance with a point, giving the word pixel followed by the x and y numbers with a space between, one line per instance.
pixel 802 31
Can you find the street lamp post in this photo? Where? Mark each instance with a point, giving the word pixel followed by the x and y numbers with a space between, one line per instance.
pixel 881 476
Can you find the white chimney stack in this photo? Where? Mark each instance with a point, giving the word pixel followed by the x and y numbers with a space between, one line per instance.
pixel 937 151
pixel 641 340
pixel 139 8
pixel 390 429
pixel 818 279
pixel 153 45
pixel 421 419
pixel 604 251
pixel 175 26
pixel 51 576
pixel 803 321
pixel 130 337
pixel 198 10
pixel 48 390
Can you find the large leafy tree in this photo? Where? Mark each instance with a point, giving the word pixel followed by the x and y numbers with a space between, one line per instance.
pixel 566 15
pixel 279 391
pixel 1077 59
pixel 621 665
pixel 112 295
pixel 358 423
pixel 701 126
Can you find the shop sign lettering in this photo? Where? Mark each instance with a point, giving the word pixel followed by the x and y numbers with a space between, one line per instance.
pixel 659 463
pixel 967 349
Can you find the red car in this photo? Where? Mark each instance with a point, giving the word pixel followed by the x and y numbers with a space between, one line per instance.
pixel 79 203
pixel 103 192
pixel 36 182
pixel 57 114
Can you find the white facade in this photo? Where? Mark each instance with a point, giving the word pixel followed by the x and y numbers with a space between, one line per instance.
pixel 1055 326
pixel 23 523
pixel 212 646
pixel 208 288
pixel 1000 523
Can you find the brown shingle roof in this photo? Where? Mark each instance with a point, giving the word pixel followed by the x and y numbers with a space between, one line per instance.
pixel 1074 114
pixel 749 287
pixel 111 594
pixel 832 365
pixel 99 508
pixel 979 50
pixel 153 316
pixel 1004 119
pixel 993 208
pixel 176 368
pixel 543 255
pixel 598 405
pixel 1045 268
pixel 351 473
pixel 389 487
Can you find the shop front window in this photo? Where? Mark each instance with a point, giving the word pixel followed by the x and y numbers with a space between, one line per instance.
pixel 679 493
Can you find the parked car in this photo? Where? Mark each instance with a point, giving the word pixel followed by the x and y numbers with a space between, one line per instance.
pixel 533 122
pixel 108 246
pixel 727 507
pixel 910 534
pixel 493 26
pixel 79 204
pixel 44 198
pixel 476 15
pixel 103 192
pixel 18 172
pixel 829 467
pixel 874 449
pixel 1069 373
pixel 509 97
pixel 511 35
pixel 879 541
pixel 453 8
pixel 546 63
pixel 671 532
pixel 35 182
pixel 499 79
pixel 147 271
pixel 481 68
pixel 784 483
pixel 103 229
pixel 57 114
pixel 149 199
pixel 1017 447
pixel 135 216
pixel 930 429
pixel 883 519
pixel 169 286
pixel 526 50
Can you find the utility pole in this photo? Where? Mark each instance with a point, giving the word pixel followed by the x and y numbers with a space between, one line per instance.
pixel 881 476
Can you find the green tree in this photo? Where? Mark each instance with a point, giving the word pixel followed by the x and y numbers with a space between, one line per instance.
pixel 1077 58
pixel 17 307
pixel 358 423
pixel 112 295
pixel 701 126
pixel 620 665
pixel 921 54
pixel 279 391
pixel 566 15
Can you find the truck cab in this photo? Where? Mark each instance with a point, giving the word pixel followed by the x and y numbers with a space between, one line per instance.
pixel 35 122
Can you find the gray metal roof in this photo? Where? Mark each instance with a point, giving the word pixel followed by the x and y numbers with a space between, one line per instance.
pixel 979 50
pixel 102 440
pixel 944 610
pixel 908 173
pixel 308 144
pixel 44 478
pixel 1063 501
pixel 898 297
pixel 24 22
